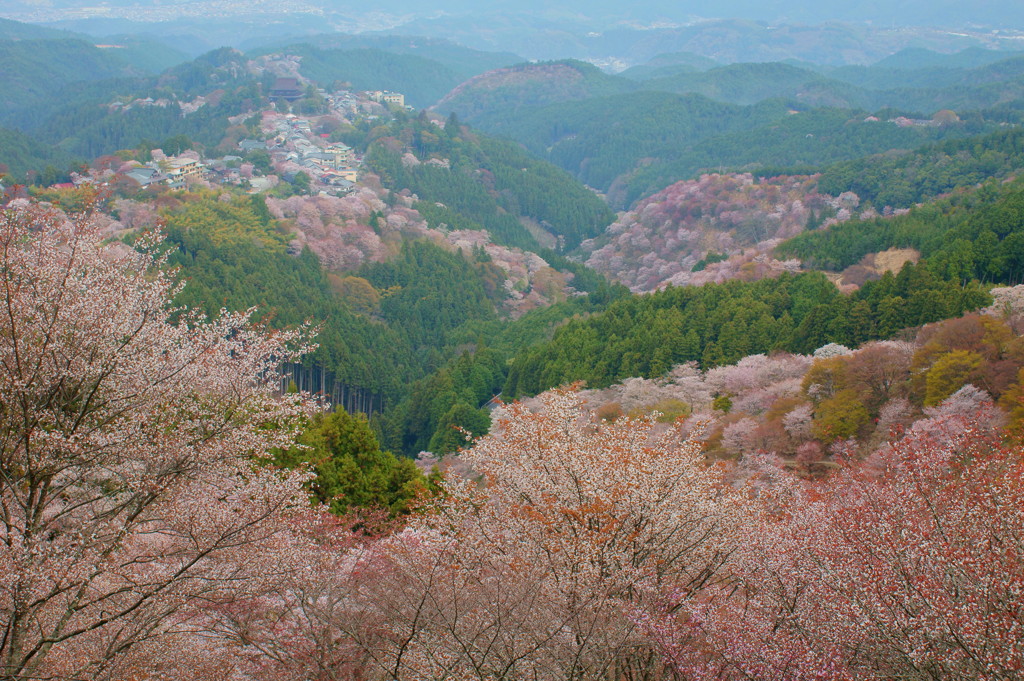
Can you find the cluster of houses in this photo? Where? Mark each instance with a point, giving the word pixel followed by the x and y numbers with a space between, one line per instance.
pixel 291 143
pixel 294 147
pixel 174 171
pixel 386 97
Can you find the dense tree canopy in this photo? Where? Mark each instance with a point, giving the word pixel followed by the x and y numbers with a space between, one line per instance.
pixel 971 235
pixel 718 324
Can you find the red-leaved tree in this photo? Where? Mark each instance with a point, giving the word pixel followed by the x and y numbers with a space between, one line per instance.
pixel 910 566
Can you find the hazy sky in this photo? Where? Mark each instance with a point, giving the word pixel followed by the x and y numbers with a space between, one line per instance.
pixel 947 13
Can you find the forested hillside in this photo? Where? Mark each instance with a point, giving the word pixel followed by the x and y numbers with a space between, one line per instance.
pixel 974 234
pixel 471 182
pixel 499 94
pixel 902 179
pixel 232 257
pixel 23 155
pixel 752 83
pixel 423 81
pixel 632 145
pixel 719 324
pixel 37 70
pixel 423 69
pixel 713 228
pixel 627 137
pixel 297 382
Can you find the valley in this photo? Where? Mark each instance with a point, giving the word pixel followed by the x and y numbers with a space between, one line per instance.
pixel 359 354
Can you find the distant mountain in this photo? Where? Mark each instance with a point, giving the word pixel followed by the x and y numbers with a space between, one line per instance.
pixel 931 89
pixel 145 54
pixel 464 61
pixel 498 93
pixel 919 57
pixel 635 143
pixel 803 140
pixel 422 81
pixel 200 34
pixel 624 44
pixel 35 70
pixel 602 138
pixel 752 83
pixel 17 30
pixel 607 37
pixel 996 13
pixel 666 65
pixel 925 89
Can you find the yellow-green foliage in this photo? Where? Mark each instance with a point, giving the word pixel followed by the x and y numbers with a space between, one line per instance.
pixel 1013 402
pixel 825 378
pixel 839 417
pixel 226 222
pixel 948 374
pixel 671 409
pixel 357 293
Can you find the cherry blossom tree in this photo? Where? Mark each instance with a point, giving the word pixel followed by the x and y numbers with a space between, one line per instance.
pixel 534 569
pixel 133 486
pixel 910 567
pixel 670 232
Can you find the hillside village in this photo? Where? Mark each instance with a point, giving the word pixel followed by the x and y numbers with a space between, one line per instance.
pixel 293 148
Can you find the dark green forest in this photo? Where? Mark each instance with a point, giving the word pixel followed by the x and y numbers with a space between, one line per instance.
pixel 489 184
pixel 636 144
pixel 631 136
pixel 976 234
pixel 718 324
pixel 437 343
pixel 901 180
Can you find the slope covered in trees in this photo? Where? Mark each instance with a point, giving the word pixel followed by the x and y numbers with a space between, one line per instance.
pixel 982 82
pixel 633 145
pixel 974 234
pixel 502 93
pixel 718 324
pixel 422 81
pixel 81 120
pixel 245 265
pixel 470 182
pixel 24 159
pixel 421 334
pixel 637 139
pixel 752 83
pixel 36 71
pixel 17 30
pixel 902 179
pixel 668 64
pixel 673 236
pixel 424 69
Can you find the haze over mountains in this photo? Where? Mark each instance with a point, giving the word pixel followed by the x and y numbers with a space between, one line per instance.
pixel 613 34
